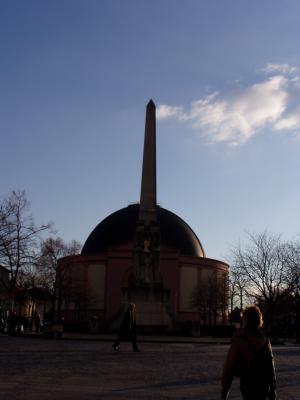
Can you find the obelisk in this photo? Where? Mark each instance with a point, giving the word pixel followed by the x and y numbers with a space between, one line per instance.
pixel 146 288
pixel 148 187
pixel 147 235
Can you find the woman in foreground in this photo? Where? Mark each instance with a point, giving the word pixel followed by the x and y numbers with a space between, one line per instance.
pixel 250 357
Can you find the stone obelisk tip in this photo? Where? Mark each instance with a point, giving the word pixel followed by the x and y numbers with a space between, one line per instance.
pixel 151 103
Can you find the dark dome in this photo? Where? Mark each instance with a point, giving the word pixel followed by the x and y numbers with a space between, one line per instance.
pixel 120 226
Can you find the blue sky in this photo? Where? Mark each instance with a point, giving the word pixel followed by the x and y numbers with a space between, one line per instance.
pixel 75 78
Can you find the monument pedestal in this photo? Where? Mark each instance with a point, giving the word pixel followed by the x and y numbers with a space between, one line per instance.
pixel 152 306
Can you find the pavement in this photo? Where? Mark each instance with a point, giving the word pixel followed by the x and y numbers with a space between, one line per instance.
pixel 147 338
pixel 33 368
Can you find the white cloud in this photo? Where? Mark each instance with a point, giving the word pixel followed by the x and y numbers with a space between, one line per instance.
pixel 290 122
pixel 234 118
pixel 164 111
pixel 280 68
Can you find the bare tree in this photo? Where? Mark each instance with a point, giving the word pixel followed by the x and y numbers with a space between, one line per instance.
pixel 19 238
pixel 210 299
pixel 51 250
pixel 291 257
pixel 223 295
pixel 59 282
pixel 262 266
pixel 237 287
pixel 199 301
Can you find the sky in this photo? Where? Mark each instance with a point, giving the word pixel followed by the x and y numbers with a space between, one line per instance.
pixel 75 78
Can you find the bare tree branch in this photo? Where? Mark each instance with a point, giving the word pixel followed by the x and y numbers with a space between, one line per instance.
pixel 19 236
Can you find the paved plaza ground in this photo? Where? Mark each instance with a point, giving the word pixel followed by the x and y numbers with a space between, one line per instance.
pixel 43 369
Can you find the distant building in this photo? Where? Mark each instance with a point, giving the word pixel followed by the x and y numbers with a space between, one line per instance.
pixel 146 254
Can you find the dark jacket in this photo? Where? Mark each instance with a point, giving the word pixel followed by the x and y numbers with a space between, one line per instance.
pixel 127 329
pixel 240 356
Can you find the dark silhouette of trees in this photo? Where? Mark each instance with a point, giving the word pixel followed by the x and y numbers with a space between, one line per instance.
pixel 60 283
pixel 237 287
pixel 267 268
pixel 19 239
pixel 291 257
pixel 210 299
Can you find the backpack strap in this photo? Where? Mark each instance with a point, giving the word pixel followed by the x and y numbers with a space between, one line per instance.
pixel 251 345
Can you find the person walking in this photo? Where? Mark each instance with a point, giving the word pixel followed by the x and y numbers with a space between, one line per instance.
pixel 37 322
pixel 250 357
pixel 127 331
pixel 2 320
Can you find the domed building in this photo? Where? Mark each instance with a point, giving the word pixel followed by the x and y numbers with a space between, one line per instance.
pixel 146 254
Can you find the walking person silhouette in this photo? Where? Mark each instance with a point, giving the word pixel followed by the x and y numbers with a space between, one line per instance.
pixel 127 331
pixel 250 357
